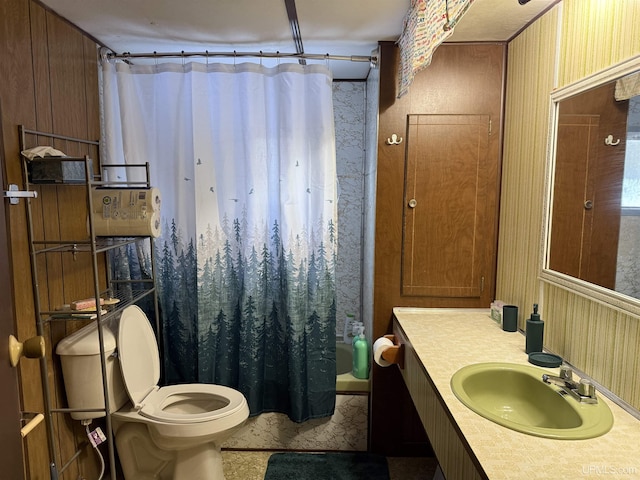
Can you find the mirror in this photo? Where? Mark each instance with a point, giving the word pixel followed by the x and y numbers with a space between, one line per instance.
pixel 592 241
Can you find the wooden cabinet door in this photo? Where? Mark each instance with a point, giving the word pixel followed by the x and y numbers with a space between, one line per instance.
pixel 445 202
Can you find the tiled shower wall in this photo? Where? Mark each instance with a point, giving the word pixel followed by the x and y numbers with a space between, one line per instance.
pixel 349 114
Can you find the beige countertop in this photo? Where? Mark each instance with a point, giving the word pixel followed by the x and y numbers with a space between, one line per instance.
pixel 446 340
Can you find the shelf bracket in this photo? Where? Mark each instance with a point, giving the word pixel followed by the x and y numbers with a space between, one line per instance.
pixel 14 194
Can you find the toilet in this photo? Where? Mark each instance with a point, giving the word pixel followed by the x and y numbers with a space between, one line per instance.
pixel 165 433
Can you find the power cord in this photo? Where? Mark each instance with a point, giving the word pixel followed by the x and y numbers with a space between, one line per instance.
pixel 86 424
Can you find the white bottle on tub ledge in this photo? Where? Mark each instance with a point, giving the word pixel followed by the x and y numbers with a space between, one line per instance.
pixel 349 324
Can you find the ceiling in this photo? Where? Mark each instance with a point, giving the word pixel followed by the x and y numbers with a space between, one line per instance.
pixel 336 27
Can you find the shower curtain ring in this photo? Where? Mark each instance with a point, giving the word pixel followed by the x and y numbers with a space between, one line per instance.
pixel 261 55
pixel 155 57
pixel 207 55
pixel 234 59
pixel 183 58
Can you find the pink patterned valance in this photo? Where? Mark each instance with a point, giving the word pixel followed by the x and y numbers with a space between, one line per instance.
pixel 427 24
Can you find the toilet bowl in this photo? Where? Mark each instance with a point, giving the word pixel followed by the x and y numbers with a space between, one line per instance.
pixel 165 433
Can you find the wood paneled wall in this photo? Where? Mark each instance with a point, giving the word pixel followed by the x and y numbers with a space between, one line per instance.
pixel 49 82
pixel 575 39
pixel 463 79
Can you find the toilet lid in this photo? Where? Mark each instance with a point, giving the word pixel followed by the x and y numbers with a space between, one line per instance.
pixel 138 353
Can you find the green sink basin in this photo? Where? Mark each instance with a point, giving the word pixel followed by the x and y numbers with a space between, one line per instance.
pixel 515 397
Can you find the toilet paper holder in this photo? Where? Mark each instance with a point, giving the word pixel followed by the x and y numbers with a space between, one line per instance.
pixel 394 354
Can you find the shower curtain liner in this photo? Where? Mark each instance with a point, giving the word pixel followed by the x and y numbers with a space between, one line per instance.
pixel 244 157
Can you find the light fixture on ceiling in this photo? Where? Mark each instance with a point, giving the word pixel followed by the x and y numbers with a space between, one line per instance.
pixel 523 2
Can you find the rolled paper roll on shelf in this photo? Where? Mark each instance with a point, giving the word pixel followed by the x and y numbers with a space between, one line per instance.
pixel 107 200
pixel 128 227
pixel 126 211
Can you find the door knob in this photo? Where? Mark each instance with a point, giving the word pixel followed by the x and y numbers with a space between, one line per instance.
pixel 32 348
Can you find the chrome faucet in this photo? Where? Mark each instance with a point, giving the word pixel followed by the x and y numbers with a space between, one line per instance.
pixel 583 390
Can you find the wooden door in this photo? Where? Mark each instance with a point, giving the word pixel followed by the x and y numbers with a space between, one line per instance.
pixel 11 454
pixel 445 201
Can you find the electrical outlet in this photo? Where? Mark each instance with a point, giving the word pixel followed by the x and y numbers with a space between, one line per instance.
pixel 96 437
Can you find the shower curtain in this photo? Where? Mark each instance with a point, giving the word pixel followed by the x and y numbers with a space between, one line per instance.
pixel 244 157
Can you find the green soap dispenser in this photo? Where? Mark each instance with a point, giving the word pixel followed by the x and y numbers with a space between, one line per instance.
pixel 535 332
pixel 360 355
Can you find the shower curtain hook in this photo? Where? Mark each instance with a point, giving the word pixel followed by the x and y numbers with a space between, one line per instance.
pixel 261 57
pixel 183 58
pixel 207 54
pixel 155 57
pixel 326 59
pixel 278 56
pixel 234 59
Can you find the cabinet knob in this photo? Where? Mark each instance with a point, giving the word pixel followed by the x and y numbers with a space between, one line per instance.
pixel 413 203
pixel 588 205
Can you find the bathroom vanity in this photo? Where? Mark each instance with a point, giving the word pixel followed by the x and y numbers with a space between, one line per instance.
pixel 438 342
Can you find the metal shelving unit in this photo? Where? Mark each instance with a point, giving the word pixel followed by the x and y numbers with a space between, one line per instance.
pixel 93 246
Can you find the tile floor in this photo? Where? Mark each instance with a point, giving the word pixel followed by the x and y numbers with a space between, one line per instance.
pixel 251 465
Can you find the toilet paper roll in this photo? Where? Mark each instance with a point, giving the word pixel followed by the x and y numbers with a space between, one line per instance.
pixel 126 211
pixel 121 226
pixel 133 200
pixel 379 346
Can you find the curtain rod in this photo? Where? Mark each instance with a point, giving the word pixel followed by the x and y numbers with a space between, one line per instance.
pixel 373 60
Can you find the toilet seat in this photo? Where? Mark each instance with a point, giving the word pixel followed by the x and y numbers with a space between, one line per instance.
pixel 180 404
pixel 206 403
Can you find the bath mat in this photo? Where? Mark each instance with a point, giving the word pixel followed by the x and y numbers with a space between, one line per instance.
pixel 327 466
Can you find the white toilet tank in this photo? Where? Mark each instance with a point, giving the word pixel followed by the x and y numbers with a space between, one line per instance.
pixel 82 371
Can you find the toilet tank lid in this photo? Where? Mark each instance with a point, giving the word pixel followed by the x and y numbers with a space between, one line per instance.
pixel 86 341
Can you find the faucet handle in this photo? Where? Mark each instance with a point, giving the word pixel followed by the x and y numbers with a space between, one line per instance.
pixel 586 388
pixel 566 374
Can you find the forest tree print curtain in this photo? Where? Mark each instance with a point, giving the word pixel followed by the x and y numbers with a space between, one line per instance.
pixel 244 157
